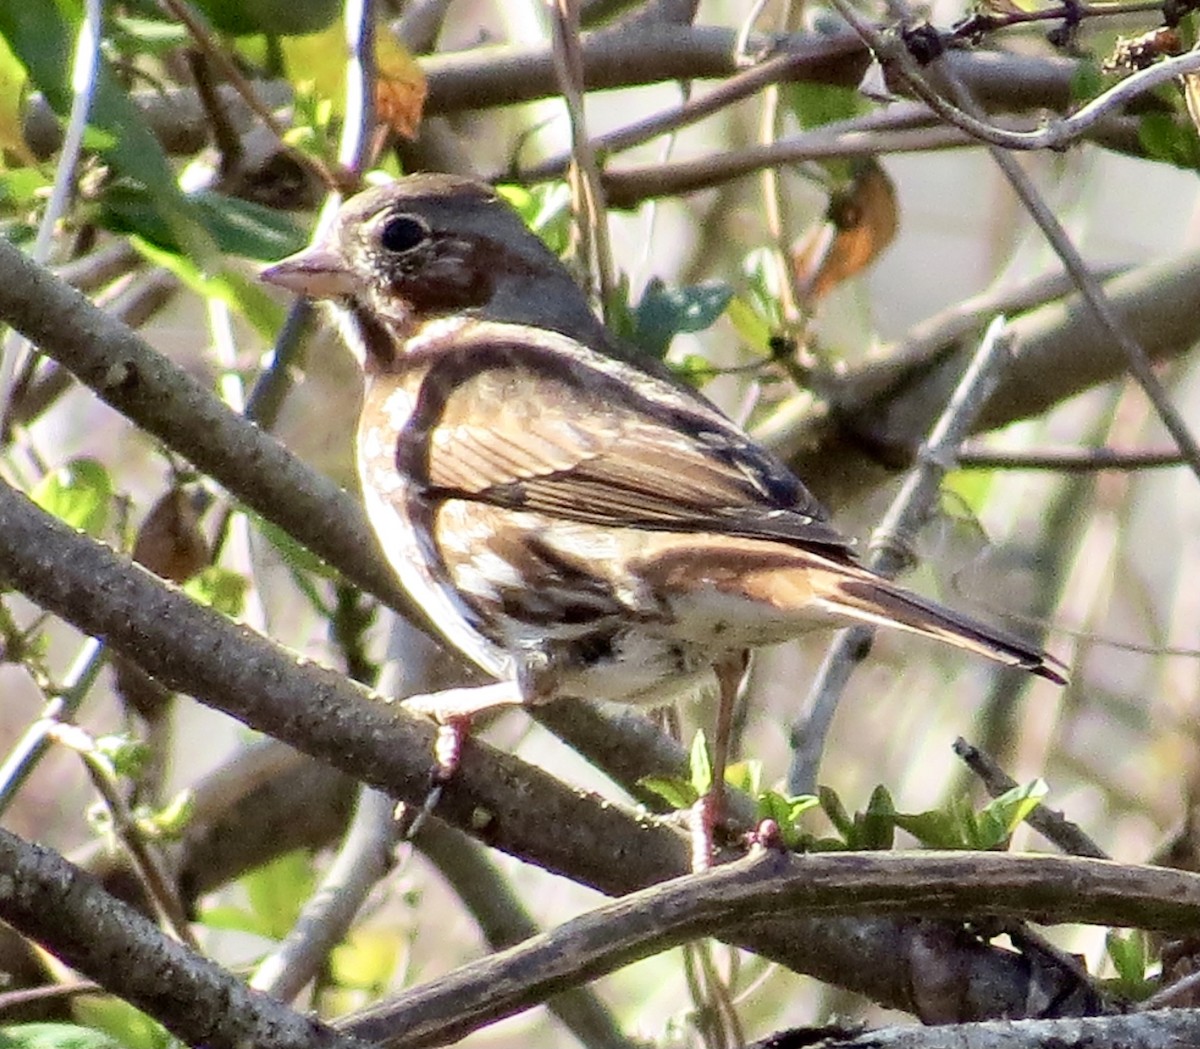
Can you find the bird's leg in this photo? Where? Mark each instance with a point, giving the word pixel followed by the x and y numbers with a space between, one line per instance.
pixel 454 709
pixel 709 810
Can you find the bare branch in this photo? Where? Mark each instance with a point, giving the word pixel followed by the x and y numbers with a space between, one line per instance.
pixel 66 911
pixel 768 886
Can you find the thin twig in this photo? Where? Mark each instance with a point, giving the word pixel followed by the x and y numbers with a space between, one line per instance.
pixel 1067 460
pixel 727 93
pixel 1050 823
pixel 593 211
pixel 987 21
pixel 34 743
pixel 1089 288
pixel 221 59
pixel 144 859
pixel 503 921
pixel 271 387
pixel 890 549
pixel 892 52
pixel 84 71
pixel 361 863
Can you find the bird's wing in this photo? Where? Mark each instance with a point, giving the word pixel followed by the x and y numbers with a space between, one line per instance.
pixel 544 424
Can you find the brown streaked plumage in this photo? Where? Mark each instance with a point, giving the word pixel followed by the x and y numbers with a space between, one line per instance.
pixel 568 516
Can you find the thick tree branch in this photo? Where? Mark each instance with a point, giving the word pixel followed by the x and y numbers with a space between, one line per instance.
pixel 768 886
pixel 67 912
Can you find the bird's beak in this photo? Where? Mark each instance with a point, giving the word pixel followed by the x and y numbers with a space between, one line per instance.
pixel 317 271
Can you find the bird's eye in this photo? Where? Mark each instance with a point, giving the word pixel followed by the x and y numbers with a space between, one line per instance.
pixel 403 233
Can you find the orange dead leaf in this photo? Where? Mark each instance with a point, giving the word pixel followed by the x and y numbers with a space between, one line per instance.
pixel 400 87
pixel 860 222
pixel 171 544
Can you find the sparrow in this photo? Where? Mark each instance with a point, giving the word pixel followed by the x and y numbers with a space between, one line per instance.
pixel 573 519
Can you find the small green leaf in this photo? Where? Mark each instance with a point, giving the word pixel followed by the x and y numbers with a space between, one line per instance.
pixel 230 918
pixel 131 1027
pixel 677 793
pixel 753 328
pixel 54 1036
pixel 1165 138
pixel 147 35
pixel 126 755
pixel 936 829
pixel 878 824
pixel 301 562
pixel 78 493
pixel 1087 80
pixel 279 889
pixel 169 822
pixel 366 960
pixel 787 811
pixel 1001 816
pixel 664 312
pixel 546 209
pixel 700 765
pixel 219 588
pixel 1130 955
pixel 745 776
pixel 836 812
pixel 235 290
pixel 695 370
pixel 814 104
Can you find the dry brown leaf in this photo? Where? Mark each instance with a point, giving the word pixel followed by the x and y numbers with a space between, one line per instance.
pixel 860 222
pixel 400 86
pixel 171 545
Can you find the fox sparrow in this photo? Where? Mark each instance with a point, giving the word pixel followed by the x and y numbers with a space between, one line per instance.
pixel 572 519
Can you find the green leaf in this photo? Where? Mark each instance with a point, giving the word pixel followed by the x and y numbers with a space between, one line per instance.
pixel 835 811
pixel 149 36
pixel 366 960
pixel 664 312
pixel 546 209
pixel 935 829
pixel 230 918
pixel 695 370
pixel 752 327
pixel 169 822
pixel 301 562
pixel 877 826
pixel 54 1036
pixel 700 765
pixel 219 588
pixel 274 17
pixel 126 754
pixel 42 34
pixel 131 1027
pixel 1087 80
pixel 278 890
pixel 244 296
pixel 678 793
pixel 745 776
pixel 786 811
pixel 1001 816
pixel 814 104
pixel 1166 139
pixel 1131 958
pixel 19 188
pixel 237 227
pixel 78 493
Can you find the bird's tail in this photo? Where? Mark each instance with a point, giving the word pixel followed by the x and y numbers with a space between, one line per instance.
pixel 851 592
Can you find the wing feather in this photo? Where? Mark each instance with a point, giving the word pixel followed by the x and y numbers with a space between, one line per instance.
pixel 521 425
